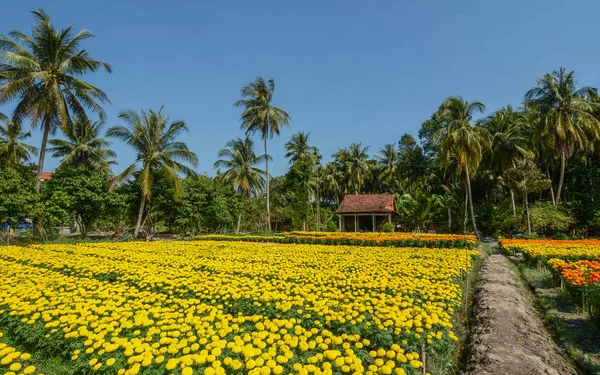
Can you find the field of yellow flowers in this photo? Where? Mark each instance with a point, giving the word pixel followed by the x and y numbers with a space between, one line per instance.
pixel 229 307
pixel 545 249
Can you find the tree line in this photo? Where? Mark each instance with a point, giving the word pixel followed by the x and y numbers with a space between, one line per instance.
pixel 531 169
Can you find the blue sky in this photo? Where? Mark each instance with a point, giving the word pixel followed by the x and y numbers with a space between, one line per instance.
pixel 347 71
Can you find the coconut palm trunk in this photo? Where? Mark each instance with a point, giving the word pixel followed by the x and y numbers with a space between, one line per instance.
pixel 551 187
pixel 267 186
pixel 139 219
pixel 527 212
pixel 42 153
pixel 239 223
pixel 512 199
pixel 563 164
pixel 471 201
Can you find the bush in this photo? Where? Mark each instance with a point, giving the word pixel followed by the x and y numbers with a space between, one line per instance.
pixel 388 227
pixel 547 219
pixel 561 236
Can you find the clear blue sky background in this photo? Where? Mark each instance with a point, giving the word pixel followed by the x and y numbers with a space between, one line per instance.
pixel 347 71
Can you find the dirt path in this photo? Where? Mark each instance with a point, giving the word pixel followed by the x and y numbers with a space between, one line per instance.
pixel 509 337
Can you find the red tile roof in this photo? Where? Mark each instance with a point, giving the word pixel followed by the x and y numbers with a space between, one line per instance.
pixel 46 176
pixel 368 203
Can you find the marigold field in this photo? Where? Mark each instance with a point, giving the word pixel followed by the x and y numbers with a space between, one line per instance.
pixel 545 249
pixel 400 239
pixel 229 307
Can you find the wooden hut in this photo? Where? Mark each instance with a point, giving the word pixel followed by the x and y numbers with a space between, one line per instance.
pixel 366 212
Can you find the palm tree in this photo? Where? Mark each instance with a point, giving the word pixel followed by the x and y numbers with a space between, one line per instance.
pixel 13 149
pixel 355 166
pixel 461 142
pixel 388 159
pixel 260 116
pixel 239 160
pixel 299 150
pixel 84 147
pixel 42 73
pixel 508 143
pixel 566 115
pixel 152 138
pixel 329 180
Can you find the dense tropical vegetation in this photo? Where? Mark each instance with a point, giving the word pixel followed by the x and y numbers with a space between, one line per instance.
pixel 516 170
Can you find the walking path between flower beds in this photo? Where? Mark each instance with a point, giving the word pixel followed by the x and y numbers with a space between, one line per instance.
pixel 508 335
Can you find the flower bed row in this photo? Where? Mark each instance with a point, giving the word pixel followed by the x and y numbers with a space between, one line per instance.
pixel 355 239
pixel 581 280
pixel 540 251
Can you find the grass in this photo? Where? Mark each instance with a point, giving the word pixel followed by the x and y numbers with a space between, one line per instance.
pixel 551 304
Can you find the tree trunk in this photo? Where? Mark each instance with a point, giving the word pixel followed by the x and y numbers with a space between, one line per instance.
pixel 471 202
pixel 466 210
pixel 449 218
pixel 512 199
pixel 268 191
pixel 563 163
pixel 318 209
pixel 42 153
pixel 527 213
pixel 551 187
pixel 139 219
pixel 239 223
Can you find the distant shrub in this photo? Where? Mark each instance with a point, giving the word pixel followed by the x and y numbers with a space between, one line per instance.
pixel 561 236
pixel 388 227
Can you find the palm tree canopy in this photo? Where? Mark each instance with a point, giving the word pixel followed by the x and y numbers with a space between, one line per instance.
pixel 461 142
pixel 388 155
pixel 509 141
pixel 43 71
pixel 84 147
pixel 239 160
pixel 13 149
pixel 355 166
pixel 565 111
pixel 153 139
pixel 259 115
pixel 299 150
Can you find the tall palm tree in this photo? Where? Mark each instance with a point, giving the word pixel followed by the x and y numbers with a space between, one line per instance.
pixel 239 160
pixel 509 143
pixel 42 72
pixel 153 139
pixel 260 116
pixel 13 149
pixel 355 166
pixel 462 142
pixel 299 150
pixel 330 178
pixel 84 147
pixel 388 159
pixel 566 115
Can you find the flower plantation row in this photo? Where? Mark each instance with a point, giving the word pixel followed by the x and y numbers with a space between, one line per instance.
pixel 229 307
pixel 356 239
pixel 575 265
pixel 581 279
pixel 544 250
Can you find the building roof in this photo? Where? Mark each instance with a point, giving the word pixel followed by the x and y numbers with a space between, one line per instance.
pixel 368 203
pixel 46 176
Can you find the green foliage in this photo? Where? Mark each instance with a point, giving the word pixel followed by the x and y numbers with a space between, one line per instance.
pixel 206 205
pixel 18 199
pixel 387 228
pixel 547 219
pixel 81 196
